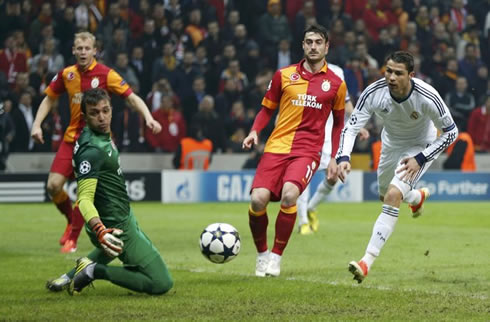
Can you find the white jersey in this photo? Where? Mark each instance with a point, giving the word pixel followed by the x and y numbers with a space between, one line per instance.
pixel 327 144
pixel 407 123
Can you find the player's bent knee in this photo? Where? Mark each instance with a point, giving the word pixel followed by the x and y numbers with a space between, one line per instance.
pixel 393 196
pixel 161 286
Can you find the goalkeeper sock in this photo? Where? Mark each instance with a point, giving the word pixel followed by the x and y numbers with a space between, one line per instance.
pixel 383 227
pixel 322 190
pixel 284 227
pixel 63 203
pixel 258 223
pixel 413 197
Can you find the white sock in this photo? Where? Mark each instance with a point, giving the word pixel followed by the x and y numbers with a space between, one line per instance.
pixel 368 259
pixel 383 227
pixel 322 190
pixel 302 207
pixel 275 257
pixel 263 254
pixel 413 197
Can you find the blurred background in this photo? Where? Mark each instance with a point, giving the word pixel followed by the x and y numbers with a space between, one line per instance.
pixel 209 62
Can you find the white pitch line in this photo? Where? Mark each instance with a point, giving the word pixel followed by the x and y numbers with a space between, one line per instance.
pixel 342 283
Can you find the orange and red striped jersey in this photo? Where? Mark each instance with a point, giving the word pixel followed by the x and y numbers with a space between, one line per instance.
pixel 74 81
pixel 305 101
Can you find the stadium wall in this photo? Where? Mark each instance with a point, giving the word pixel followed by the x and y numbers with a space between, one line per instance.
pixel 173 186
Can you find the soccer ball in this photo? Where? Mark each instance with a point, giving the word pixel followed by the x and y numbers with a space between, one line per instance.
pixel 220 243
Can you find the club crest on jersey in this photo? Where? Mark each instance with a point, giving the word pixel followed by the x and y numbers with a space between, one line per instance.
pixel 414 115
pixel 95 82
pixel 325 86
pixel 70 76
pixel 294 77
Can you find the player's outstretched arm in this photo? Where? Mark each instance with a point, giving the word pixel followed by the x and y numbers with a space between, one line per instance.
pixel 43 111
pixel 140 106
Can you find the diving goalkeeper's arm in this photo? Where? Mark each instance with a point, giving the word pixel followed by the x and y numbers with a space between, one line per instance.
pixel 107 237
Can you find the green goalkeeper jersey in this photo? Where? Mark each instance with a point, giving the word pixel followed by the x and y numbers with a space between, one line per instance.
pixel 96 157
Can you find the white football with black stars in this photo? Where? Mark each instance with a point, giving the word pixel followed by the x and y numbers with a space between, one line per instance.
pixel 220 243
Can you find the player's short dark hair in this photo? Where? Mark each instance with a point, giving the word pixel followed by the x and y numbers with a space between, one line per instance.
pixel 93 97
pixel 319 29
pixel 402 57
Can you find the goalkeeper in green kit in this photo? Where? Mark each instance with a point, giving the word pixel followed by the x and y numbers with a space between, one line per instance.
pixel 110 223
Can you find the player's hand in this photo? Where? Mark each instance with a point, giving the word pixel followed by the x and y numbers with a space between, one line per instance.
pixel 410 166
pixel 154 126
pixel 363 134
pixel 37 134
pixel 332 170
pixel 343 169
pixel 107 237
pixel 250 140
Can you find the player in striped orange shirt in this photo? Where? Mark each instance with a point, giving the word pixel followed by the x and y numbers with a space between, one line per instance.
pixel 74 80
pixel 305 93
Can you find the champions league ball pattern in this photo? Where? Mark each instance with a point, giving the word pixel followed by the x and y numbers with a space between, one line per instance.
pixel 220 243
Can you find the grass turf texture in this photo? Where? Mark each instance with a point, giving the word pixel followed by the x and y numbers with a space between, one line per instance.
pixel 435 267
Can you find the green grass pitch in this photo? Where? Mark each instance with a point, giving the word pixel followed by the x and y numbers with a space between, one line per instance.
pixel 436 267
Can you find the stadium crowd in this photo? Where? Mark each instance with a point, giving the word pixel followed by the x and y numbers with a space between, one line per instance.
pixel 208 63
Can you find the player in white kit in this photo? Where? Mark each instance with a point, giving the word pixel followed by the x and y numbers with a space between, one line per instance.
pixel 308 221
pixel 411 110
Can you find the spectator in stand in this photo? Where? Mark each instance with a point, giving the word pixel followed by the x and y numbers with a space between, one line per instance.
pixel 238 118
pixel 110 23
pixel 127 72
pixel 194 29
pixel 374 19
pixel 409 36
pixel 384 47
pixel 234 142
pixel 165 66
pixel 11 19
pixel 273 26
pixel 231 21
pixel 127 131
pixel 240 41
pixel 213 42
pixel 12 61
pixel 469 65
pixel 234 73
pixel 64 31
pixel 479 126
pixel 39 77
pixel 186 72
pixel 7 132
pixel 43 19
pixel 224 100
pixel 117 45
pixel 211 124
pixel 159 88
pixel 284 55
pixel 21 85
pixel 307 11
pixel 179 38
pixel 88 16
pixel 191 102
pixel 336 12
pixel 23 117
pixel 355 8
pixel 461 103
pixel 482 83
pixel 458 14
pixel 446 82
pixel 367 61
pixel 340 55
pixel 48 51
pixel 397 16
pixel 254 61
pixel 173 127
pixel 141 68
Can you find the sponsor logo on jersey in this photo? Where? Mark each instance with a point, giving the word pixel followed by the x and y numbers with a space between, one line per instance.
pixel 77 98
pixel 294 77
pixel 306 100
pixel 95 82
pixel 414 115
pixel 70 76
pixel 325 86
pixel 84 167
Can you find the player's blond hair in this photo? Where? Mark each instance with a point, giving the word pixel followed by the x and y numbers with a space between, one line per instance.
pixel 84 35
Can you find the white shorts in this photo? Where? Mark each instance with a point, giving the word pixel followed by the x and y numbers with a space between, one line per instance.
pixel 327 144
pixel 390 161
